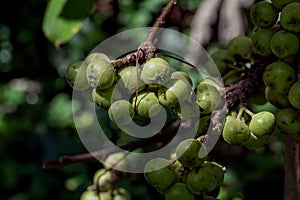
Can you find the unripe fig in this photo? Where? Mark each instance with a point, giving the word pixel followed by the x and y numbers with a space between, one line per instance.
pixel 89 195
pixel 156 71
pixel 116 194
pixel 115 161
pixel 235 132
pixel 276 99
pixel 96 56
pixel 180 75
pixel 280 4
pixel 121 194
pixel 179 191
pixel 284 44
pixel 130 77
pixel 288 121
pixel 294 95
pixel 186 110
pixel 76 77
pixel 241 47
pixel 263 14
pixel 279 76
pixel 217 170
pixel 261 40
pixel 176 91
pixel 201 180
pixel 222 59
pixel 100 74
pixel 262 124
pixel 103 179
pixel 121 112
pixel 208 98
pixel 147 104
pixel 290 17
pixel 103 98
pixel 191 153
pixel 160 174
pixel 209 82
pixel 255 142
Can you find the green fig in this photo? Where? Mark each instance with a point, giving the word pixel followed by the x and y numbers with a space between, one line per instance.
pixel 191 153
pixel 160 174
pixel 263 14
pixel 294 95
pixel 290 17
pixel 76 77
pixel 262 124
pixel 156 71
pixel 100 74
pixel 279 76
pixel 121 112
pixel 284 44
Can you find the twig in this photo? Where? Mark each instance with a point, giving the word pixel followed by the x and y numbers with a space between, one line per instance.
pixel 147 49
pixel 238 92
pixel 161 20
pixel 103 153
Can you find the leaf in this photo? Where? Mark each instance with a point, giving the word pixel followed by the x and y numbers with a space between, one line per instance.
pixel 56 28
pixel 77 9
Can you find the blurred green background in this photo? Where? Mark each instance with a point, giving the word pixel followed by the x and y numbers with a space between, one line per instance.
pixel 36 121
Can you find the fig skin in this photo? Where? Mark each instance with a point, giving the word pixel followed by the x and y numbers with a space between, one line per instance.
pixel 263 14
pixel 290 17
pixel 156 71
pixel 294 95
pixel 235 132
pixel 262 124
pixel 284 44
pixel 160 173
pixel 279 76
pixel 100 74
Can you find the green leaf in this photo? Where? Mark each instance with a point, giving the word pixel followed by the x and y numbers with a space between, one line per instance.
pixel 77 9
pixel 58 29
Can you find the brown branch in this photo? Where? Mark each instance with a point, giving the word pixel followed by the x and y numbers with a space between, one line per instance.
pixel 161 20
pixel 238 92
pixel 147 49
pixel 103 153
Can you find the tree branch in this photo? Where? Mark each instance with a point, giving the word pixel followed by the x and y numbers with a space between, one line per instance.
pixel 161 20
pixel 238 92
pixel 103 153
pixel 147 49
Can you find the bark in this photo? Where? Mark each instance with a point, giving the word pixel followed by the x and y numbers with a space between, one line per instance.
pixel 292 169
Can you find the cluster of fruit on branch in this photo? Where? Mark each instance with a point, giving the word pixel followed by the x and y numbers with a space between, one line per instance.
pixel 104 185
pixel 187 175
pixel 156 83
pixel 266 59
pixel 277 35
